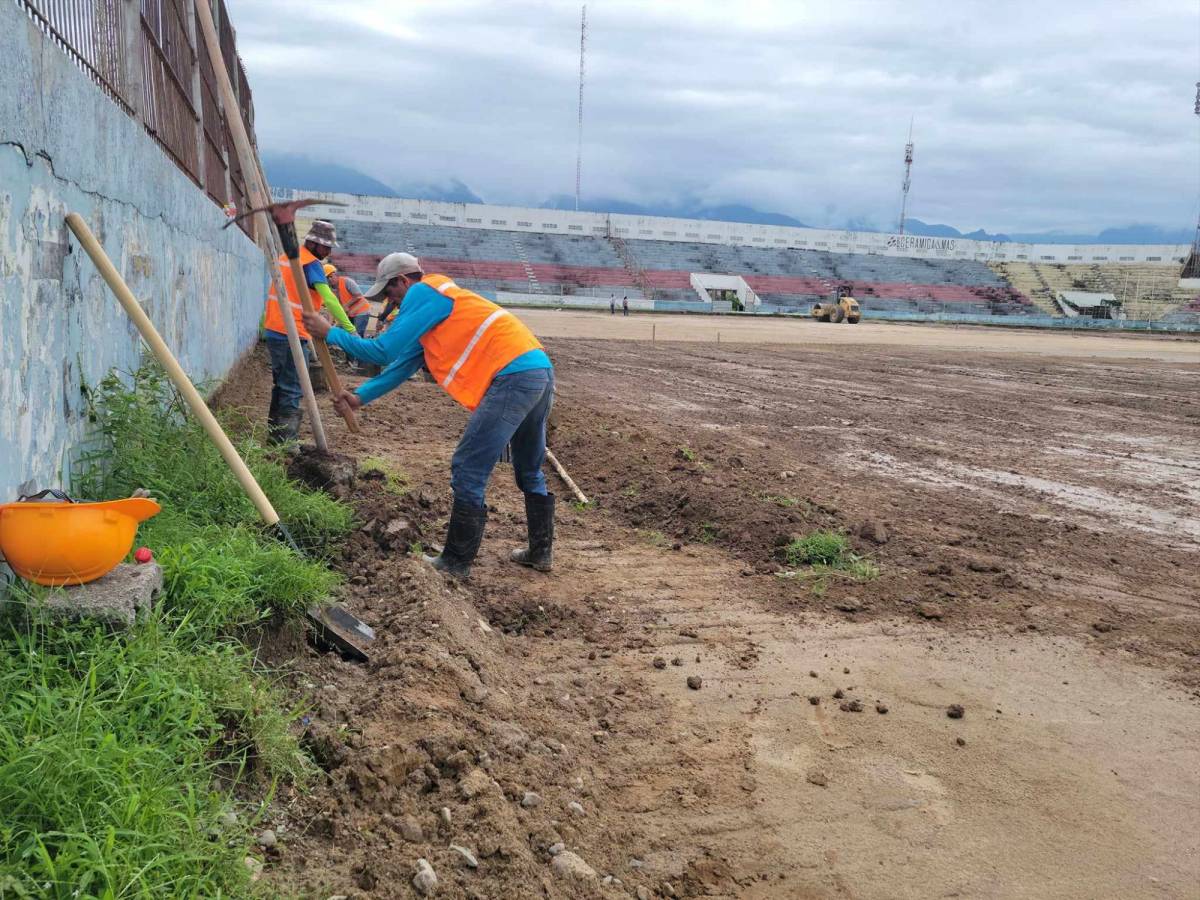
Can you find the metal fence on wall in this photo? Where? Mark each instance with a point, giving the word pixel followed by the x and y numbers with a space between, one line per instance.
pixel 145 56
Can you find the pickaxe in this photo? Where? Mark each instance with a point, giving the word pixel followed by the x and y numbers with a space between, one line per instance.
pixel 283 214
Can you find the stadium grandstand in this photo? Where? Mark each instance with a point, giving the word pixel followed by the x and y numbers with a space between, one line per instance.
pixel 525 256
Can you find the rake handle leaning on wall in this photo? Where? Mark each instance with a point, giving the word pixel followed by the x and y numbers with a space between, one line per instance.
pixel 174 371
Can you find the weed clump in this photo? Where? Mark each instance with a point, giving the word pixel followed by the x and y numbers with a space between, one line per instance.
pixel 817 547
pixel 822 555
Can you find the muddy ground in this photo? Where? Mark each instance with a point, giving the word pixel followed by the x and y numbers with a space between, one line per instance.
pixel 1034 523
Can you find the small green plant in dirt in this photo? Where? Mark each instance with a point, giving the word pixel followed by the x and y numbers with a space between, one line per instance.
pixel 827 555
pixel 709 533
pixel 631 490
pixel 687 454
pixel 394 481
pixel 416 548
pixel 580 506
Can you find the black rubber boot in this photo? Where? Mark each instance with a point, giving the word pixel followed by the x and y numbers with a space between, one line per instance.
pixel 539 519
pixel 285 427
pixel 274 424
pixel 463 538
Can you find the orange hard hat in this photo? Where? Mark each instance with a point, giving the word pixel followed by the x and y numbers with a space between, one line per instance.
pixel 59 543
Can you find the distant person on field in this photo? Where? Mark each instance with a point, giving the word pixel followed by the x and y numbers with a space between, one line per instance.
pixel 488 361
pixel 612 304
pixel 624 306
pixel 285 415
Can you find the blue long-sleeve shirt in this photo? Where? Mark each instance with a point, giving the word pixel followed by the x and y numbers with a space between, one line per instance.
pixel 399 348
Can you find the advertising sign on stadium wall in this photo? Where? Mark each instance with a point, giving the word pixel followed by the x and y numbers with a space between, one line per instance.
pixel 654 228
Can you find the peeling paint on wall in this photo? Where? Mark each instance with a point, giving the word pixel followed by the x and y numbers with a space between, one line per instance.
pixel 69 149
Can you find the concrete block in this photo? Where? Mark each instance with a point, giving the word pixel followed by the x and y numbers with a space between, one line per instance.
pixel 118 599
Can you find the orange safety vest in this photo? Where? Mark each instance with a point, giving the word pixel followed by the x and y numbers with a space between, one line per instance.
pixel 274 319
pixel 353 304
pixel 478 339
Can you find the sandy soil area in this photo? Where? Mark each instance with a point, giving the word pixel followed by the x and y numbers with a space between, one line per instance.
pixel 1033 518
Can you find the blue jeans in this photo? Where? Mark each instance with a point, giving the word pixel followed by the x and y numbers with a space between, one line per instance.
pixel 285 387
pixel 360 324
pixel 513 411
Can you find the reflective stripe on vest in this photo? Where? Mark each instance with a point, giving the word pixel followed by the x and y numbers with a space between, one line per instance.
pixel 478 339
pixel 353 304
pixel 274 319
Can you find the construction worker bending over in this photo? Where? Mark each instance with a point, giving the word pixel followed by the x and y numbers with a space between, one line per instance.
pixel 488 361
pixel 283 419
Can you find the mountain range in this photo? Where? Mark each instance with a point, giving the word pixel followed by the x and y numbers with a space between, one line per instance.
pixel 295 171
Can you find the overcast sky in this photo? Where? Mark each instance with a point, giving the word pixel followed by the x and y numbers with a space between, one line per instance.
pixel 1028 115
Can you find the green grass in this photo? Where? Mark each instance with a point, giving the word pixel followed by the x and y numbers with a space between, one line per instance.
pixel 119 752
pixel 820 556
pixel 394 481
pixel 687 453
pixel 828 547
pixel 709 533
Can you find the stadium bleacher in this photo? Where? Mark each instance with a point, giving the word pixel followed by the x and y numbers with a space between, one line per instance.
pixel 785 279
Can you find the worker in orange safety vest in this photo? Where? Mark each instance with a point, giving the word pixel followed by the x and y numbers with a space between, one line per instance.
pixel 486 359
pixel 285 415
pixel 346 289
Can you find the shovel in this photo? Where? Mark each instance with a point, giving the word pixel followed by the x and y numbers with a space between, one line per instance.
pixel 339 628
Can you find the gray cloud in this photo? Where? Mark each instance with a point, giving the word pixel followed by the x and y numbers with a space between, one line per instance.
pixel 1029 115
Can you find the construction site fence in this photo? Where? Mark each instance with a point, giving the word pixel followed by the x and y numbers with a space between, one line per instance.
pixel 147 57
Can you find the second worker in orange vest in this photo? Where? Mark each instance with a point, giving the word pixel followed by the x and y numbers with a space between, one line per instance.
pixel 283 419
pixel 487 360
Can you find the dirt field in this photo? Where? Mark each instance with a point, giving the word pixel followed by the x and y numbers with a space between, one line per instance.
pixel 1034 522
pixel 644 327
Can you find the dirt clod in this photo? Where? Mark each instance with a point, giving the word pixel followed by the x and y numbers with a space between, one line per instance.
pixel 851 706
pixel 659 662
pixel 814 700
pixel 930 611
pixel 334 473
pixel 814 776
pixel 839 694
pixel 955 711
pixel 962 742
pixel 695 682
pixel 881 708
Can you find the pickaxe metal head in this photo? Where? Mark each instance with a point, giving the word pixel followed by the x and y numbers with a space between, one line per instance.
pixel 283 212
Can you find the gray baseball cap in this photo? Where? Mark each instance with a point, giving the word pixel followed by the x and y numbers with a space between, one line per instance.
pixel 391 266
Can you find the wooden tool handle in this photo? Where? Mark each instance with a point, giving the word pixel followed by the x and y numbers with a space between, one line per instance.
pixel 331 375
pixel 174 371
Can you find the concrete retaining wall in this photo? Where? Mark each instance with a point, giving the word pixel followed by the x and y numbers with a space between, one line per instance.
pixel 65 147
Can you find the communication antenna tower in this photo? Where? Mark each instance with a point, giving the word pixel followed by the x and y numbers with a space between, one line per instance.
pixel 1191 267
pixel 908 158
pixel 579 144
